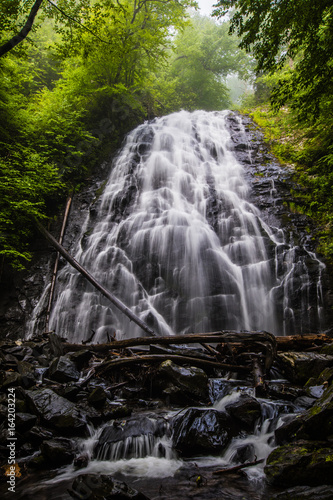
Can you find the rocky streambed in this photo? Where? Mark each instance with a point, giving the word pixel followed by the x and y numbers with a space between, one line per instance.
pixel 164 430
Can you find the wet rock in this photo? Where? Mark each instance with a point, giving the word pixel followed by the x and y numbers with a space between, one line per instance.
pixel 284 391
pixel 305 493
pixel 69 392
pixel 134 437
pixel 63 369
pixel 317 422
pixel 80 358
pixel 57 452
pixel 300 463
pixel 316 391
pixel 101 487
pixel 27 372
pixel 95 416
pixel 57 411
pixel 288 431
pixel 300 366
pixel 305 401
pixel 202 431
pixel 245 453
pixel 326 376
pixel 37 434
pixel 177 382
pixel 246 410
pixel 20 352
pixel 97 397
pixel 24 421
pixel 81 461
pixel 9 379
pixel 115 409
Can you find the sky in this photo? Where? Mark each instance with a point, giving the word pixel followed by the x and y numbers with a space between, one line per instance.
pixel 206 6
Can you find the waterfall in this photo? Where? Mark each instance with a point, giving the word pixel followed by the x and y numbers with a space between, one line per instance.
pixel 175 237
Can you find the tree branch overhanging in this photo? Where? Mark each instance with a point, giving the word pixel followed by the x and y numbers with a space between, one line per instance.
pixel 15 40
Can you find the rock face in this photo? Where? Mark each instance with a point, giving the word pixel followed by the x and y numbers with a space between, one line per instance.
pixel 246 411
pixel 62 369
pixel 178 383
pixel 300 366
pixel 300 463
pixel 203 431
pixel 57 411
pixel 316 423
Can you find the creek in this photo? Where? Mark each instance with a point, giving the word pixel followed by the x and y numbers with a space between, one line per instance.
pixel 177 235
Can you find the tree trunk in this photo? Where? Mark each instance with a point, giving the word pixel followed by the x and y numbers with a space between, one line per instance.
pixel 55 269
pixel 6 47
pixel 95 283
pixel 190 338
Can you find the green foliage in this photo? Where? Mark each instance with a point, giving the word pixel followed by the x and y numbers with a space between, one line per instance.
pixel 203 56
pixel 88 72
pixel 25 182
pixel 292 43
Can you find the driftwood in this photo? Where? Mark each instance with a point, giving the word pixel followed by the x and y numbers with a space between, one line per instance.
pixel 124 309
pixel 236 468
pixel 149 358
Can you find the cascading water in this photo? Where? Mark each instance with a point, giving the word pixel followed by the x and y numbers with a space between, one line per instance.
pixel 176 239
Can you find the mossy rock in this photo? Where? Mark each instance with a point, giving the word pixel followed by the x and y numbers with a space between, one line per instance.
pixel 300 463
pixel 300 366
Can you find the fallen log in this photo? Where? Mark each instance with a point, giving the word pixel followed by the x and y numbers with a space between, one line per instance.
pixel 153 358
pixel 302 342
pixel 190 338
pixel 124 309
pixel 236 468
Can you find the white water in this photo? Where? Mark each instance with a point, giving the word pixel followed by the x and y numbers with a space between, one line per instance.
pixel 145 461
pixel 177 240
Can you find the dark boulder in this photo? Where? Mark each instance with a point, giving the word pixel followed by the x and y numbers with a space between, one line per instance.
pixel 57 452
pixel 62 369
pixel 298 367
pixel 202 431
pixel 80 358
pixel 246 410
pixel 27 372
pixel 37 434
pixel 57 411
pixel 100 487
pixel 180 384
pixel 25 421
pixel 10 379
pixel 300 463
pixel 97 397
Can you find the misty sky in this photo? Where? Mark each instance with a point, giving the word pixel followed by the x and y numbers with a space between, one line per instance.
pixel 206 6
